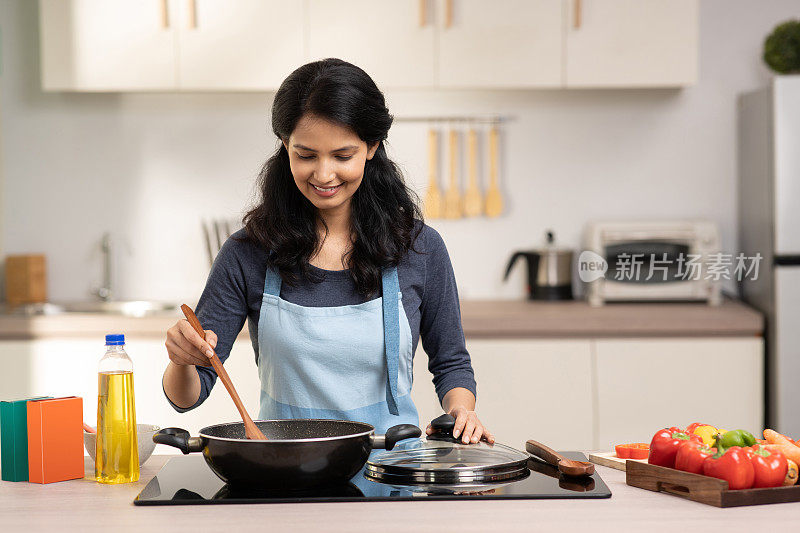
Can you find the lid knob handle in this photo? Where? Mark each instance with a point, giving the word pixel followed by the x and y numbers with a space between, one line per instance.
pixel 443 424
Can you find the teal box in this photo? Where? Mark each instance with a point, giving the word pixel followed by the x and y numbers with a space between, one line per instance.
pixel 14 439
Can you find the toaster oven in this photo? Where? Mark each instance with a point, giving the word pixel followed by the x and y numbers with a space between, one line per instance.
pixel 650 261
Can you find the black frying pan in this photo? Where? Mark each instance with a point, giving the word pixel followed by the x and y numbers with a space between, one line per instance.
pixel 298 454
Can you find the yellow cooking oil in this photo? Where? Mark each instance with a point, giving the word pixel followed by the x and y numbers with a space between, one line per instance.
pixel 117 450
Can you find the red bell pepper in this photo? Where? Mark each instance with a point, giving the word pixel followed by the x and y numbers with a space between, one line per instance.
pixel 733 465
pixel 769 467
pixel 694 425
pixel 664 446
pixel 691 456
pixel 636 450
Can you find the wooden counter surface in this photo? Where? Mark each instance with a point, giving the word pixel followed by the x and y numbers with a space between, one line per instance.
pixel 86 506
pixel 503 319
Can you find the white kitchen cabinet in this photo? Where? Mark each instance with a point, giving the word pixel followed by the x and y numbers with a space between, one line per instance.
pixel 386 39
pixel 246 45
pixel 527 389
pixel 108 45
pixel 570 394
pixel 505 43
pixel 15 361
pixel 631 43
pixel 173 45
pixel 68 367
pixel 644 385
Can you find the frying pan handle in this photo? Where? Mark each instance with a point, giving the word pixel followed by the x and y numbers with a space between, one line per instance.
pixel 179 438
pixel 395 434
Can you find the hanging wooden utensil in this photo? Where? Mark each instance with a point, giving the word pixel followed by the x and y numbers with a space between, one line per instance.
pixel 251 431
pixel 494 200
pixel 473 201
pixel 433 196
pixel 453 207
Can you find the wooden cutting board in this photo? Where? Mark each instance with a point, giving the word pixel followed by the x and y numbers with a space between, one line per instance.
pixel 611 460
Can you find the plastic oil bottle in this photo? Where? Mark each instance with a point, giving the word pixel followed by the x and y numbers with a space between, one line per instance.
pixel 117 451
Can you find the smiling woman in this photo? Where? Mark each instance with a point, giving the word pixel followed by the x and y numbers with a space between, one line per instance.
pixel 327 174
pixel 336 272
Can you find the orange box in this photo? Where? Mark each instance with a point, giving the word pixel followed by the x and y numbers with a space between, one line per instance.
pixel 55 439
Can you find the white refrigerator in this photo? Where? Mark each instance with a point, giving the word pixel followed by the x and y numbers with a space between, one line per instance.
pixel 769 224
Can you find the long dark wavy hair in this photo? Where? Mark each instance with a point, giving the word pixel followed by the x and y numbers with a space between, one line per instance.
pixel 384 209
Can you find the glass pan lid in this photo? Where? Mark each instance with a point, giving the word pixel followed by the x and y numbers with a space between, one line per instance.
pixel 440 458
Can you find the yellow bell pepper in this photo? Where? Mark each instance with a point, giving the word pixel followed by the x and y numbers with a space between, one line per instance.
pixel 706 433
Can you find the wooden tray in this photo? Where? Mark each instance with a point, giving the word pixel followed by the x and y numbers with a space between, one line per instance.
pixel 611 460
pixel 703 489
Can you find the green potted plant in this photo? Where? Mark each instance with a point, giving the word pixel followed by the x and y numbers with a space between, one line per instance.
pixel 782 48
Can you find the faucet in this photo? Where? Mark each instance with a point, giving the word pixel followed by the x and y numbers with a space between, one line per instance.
pixel 104 292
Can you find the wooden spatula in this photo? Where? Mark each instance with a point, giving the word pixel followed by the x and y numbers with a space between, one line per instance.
pixel 452 198
pixel 494 200
pixel 251 431
pixel 565 466
pixel 433 196
pixel 473 201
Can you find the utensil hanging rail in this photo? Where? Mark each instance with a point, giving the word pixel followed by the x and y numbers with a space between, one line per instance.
pixel 465 119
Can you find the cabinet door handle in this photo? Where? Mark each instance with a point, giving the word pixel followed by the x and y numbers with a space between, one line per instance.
pixel 578 13
pixel 448 13
pixel 423 13
pixel 164 14
pixel 193 14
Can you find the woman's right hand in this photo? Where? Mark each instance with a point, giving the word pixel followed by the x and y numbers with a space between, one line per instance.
pixel 186 347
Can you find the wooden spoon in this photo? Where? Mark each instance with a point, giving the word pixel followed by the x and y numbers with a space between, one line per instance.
pixel 565 466
pixel 473 201
pixel 494 200
pixel 452 198
pixel 433 196
pixel 251 431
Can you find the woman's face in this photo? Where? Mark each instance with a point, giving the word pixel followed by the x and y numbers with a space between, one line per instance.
pixel 327 161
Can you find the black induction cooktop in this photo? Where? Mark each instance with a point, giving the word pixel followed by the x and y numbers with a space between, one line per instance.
pixel 188 481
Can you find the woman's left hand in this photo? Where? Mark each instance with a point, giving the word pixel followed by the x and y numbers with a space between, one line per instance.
pixel 468 426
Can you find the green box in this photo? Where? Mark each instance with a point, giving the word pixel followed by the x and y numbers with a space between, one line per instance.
pixel 14 439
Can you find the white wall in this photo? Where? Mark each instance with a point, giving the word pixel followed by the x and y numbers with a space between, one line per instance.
pixel 147 167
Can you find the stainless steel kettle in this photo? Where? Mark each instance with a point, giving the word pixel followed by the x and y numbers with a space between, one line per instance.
pixel 549 271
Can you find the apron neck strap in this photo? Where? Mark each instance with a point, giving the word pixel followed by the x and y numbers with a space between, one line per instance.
pixel 391 333
pixel 272 283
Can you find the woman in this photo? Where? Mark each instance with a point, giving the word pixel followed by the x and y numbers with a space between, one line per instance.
pixel 336 272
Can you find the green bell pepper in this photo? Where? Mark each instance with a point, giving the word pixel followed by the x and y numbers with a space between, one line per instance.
pixel 737 437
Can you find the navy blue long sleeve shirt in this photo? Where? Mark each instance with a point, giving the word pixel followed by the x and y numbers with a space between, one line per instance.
pixel 430 298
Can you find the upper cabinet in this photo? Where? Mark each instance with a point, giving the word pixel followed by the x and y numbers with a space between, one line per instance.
pixel 133 45
pixel 107 45
pixel 392 41
pixel 504 43
pixel 241 45
pixel 631 43
pixel 129 45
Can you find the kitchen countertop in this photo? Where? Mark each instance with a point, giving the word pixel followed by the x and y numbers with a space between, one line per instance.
pixel 83 506
pixel 579 319
pixel 481 318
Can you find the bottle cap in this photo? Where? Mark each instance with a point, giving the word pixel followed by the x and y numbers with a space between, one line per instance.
pixel 115 340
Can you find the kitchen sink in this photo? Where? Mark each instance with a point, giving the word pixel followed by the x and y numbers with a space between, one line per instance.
pixel 135 308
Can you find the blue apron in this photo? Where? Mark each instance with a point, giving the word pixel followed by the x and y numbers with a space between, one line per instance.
pixel 352 362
